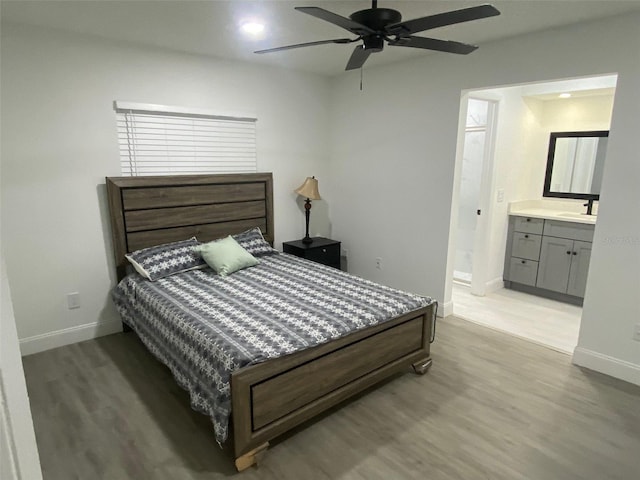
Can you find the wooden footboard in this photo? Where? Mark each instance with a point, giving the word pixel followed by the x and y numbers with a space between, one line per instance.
pixel 272 397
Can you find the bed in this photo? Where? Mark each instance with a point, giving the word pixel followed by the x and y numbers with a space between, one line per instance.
pixel 270 396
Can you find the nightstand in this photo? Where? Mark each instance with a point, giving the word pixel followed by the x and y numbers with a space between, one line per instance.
pixel 322 250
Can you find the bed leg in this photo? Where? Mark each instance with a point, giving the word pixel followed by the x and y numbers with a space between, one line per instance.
pixel 422 366
pixel 251 458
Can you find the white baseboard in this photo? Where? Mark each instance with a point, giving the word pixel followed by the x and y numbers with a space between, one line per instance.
pixel 67 336
pixel 445 309
pixel 493 285
pixel 614 367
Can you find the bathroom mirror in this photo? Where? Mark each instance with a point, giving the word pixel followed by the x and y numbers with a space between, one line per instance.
pixel 575 164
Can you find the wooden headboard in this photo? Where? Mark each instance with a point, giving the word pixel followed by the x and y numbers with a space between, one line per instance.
pixel 147 211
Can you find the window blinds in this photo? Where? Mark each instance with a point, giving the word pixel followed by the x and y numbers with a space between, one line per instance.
pixel 177 142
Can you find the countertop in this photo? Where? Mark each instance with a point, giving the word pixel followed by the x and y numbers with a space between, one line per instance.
pixel 554 215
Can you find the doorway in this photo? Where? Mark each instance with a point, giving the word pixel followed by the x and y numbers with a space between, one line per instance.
pixel 477 154
pixel 500 168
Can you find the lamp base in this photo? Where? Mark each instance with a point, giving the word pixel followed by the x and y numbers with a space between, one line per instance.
pixel 307 240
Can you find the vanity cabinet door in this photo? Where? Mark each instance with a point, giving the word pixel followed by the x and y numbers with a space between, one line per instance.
pixel 555 264
pixel 580 257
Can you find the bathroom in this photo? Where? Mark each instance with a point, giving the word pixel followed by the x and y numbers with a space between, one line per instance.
pixel 503 151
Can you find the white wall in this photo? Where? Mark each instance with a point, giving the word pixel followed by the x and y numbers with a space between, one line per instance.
pixel 19 457
pixel 59 142
pixel 392 159
pixel 511 173
pixel 577 113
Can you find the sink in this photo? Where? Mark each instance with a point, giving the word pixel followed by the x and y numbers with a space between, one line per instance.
pixel 582 216
pixel 574 215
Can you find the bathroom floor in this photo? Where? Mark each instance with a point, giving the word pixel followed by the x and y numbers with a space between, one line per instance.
pixel 540 320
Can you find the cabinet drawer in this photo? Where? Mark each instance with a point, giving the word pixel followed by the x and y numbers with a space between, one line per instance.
pixel 526 245
pixel 523 271
pixel 529 225
pixel 327 255
pixel 574 231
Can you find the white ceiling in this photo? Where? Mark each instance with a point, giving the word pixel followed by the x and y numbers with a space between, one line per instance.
pixel 211 27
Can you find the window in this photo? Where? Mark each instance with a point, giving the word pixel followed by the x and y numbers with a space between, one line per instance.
pixel 159 140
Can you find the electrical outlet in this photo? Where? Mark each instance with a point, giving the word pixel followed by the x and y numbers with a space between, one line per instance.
pixel 500 195
pixel 73 300
pixel 636 332
pixel 379 263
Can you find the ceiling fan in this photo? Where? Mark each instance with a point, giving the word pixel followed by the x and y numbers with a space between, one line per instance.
pixel 376 25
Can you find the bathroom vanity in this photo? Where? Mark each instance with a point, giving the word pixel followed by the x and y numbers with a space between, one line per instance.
pixel 548 253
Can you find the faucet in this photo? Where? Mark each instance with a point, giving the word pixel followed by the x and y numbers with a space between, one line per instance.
pixel 589 206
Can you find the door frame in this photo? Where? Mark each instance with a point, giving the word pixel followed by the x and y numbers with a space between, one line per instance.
pixel 480 267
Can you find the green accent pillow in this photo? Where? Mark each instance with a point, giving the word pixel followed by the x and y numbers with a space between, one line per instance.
pixel 226 256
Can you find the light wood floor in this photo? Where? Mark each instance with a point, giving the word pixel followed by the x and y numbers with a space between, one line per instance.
pixel 538 319
pixel 491 407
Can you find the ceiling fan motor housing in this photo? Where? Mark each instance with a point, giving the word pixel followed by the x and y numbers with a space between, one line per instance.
pixel 377 18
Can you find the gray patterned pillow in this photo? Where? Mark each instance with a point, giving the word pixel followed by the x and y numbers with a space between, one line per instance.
pixel 254 243
pixel 168 259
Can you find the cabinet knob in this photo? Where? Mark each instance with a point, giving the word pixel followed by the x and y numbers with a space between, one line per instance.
pixel 523 261
pixel 324 250
pixel 575 253
pixel 568 252
pixel 526 236
pixel 528 219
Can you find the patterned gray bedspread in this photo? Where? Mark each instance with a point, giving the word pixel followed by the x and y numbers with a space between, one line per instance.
pixel 205 327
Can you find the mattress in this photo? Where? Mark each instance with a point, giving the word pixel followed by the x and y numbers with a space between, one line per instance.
pixel 204 327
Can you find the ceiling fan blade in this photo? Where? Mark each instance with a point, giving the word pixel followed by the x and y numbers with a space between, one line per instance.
pixel 442 19
pixel 339 20
pixel 308 44
pixel 358 57
pixel 434 44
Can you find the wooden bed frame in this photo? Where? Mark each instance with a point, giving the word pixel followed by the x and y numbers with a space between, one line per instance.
pixel 272 397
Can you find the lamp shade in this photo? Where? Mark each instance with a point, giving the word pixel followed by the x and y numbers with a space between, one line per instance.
pixel 309 189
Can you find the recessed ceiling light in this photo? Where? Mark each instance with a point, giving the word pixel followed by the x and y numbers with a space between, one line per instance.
pixel 564 95
pixel 252 28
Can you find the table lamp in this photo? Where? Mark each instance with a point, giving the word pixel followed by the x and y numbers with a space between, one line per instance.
pixel 309 190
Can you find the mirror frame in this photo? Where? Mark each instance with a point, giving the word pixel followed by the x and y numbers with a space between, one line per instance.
pixel 550 156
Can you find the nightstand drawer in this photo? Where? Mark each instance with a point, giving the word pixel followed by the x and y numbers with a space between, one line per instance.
pixel 321 250
pixel 327 255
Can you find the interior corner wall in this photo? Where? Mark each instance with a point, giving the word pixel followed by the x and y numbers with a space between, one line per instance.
pixel 19 458
pixel 516 135
pixel 59 141
pixel 392 162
